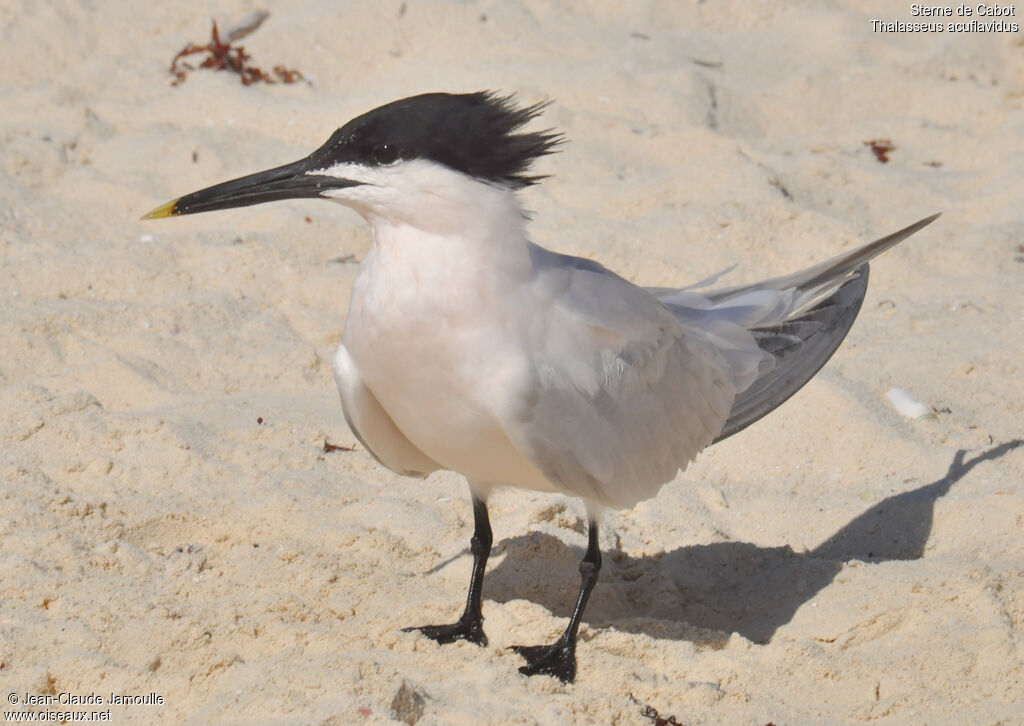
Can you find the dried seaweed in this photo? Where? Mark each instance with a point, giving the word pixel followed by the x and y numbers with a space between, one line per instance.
pixel 881 148
pixel 224 56
pixel 652 713
pixel 329 447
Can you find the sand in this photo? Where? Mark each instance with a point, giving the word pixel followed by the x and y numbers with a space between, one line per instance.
pixel 173 533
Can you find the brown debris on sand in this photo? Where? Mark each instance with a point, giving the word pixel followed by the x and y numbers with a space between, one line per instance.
pixel 223 56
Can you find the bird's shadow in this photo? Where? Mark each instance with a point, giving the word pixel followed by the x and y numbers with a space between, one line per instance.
pixel 706 592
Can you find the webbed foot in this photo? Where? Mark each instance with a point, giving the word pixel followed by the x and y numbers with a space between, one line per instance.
pixel 557 659
pixel 465 629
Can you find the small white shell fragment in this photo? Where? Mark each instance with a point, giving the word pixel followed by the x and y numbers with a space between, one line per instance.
pixel 246 25
pixel 909 406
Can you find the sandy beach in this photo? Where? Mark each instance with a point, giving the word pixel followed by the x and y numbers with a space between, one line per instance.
pixel 177 541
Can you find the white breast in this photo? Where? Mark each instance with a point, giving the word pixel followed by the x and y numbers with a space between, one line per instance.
pixel 433 330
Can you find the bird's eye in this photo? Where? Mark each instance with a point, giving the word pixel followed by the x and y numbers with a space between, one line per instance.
pixel 385 153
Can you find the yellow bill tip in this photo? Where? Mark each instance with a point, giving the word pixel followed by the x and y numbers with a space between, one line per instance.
pixel 164 210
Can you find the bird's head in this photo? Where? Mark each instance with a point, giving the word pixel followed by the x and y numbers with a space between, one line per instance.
pixel 407 153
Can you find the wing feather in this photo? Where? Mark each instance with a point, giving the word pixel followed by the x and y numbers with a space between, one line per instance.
pixel 620 394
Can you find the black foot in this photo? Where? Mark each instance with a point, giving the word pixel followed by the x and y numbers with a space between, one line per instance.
pixel 558 660
pixel 469 630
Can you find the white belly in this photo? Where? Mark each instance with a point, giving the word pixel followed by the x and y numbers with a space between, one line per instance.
pixel 443 367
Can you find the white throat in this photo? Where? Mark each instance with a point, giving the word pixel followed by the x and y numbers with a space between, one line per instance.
pixel 443 243
pixel 435 301
pixel 432 199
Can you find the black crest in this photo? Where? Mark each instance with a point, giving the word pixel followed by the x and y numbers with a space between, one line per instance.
pixel 473 133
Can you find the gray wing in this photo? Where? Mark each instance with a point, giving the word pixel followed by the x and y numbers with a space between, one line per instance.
pixel 620 394
pixel 819 281
pixel 802 320
pixel 626 385
pixel 800 347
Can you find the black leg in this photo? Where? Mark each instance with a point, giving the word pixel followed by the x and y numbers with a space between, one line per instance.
pixel 559 658
pixel 471 625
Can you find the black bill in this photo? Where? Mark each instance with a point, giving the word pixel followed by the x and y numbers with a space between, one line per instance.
pixel 291 181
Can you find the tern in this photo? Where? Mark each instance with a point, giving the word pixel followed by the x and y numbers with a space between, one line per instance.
pixel 468 347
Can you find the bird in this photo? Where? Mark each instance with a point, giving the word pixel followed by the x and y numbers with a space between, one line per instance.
pixel 467 347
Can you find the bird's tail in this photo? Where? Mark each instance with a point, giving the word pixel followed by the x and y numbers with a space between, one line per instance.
pixel 798 321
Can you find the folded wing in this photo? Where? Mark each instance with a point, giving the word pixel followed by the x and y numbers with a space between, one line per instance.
pixel 620 393
pixel 799 320
pixel 626 385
